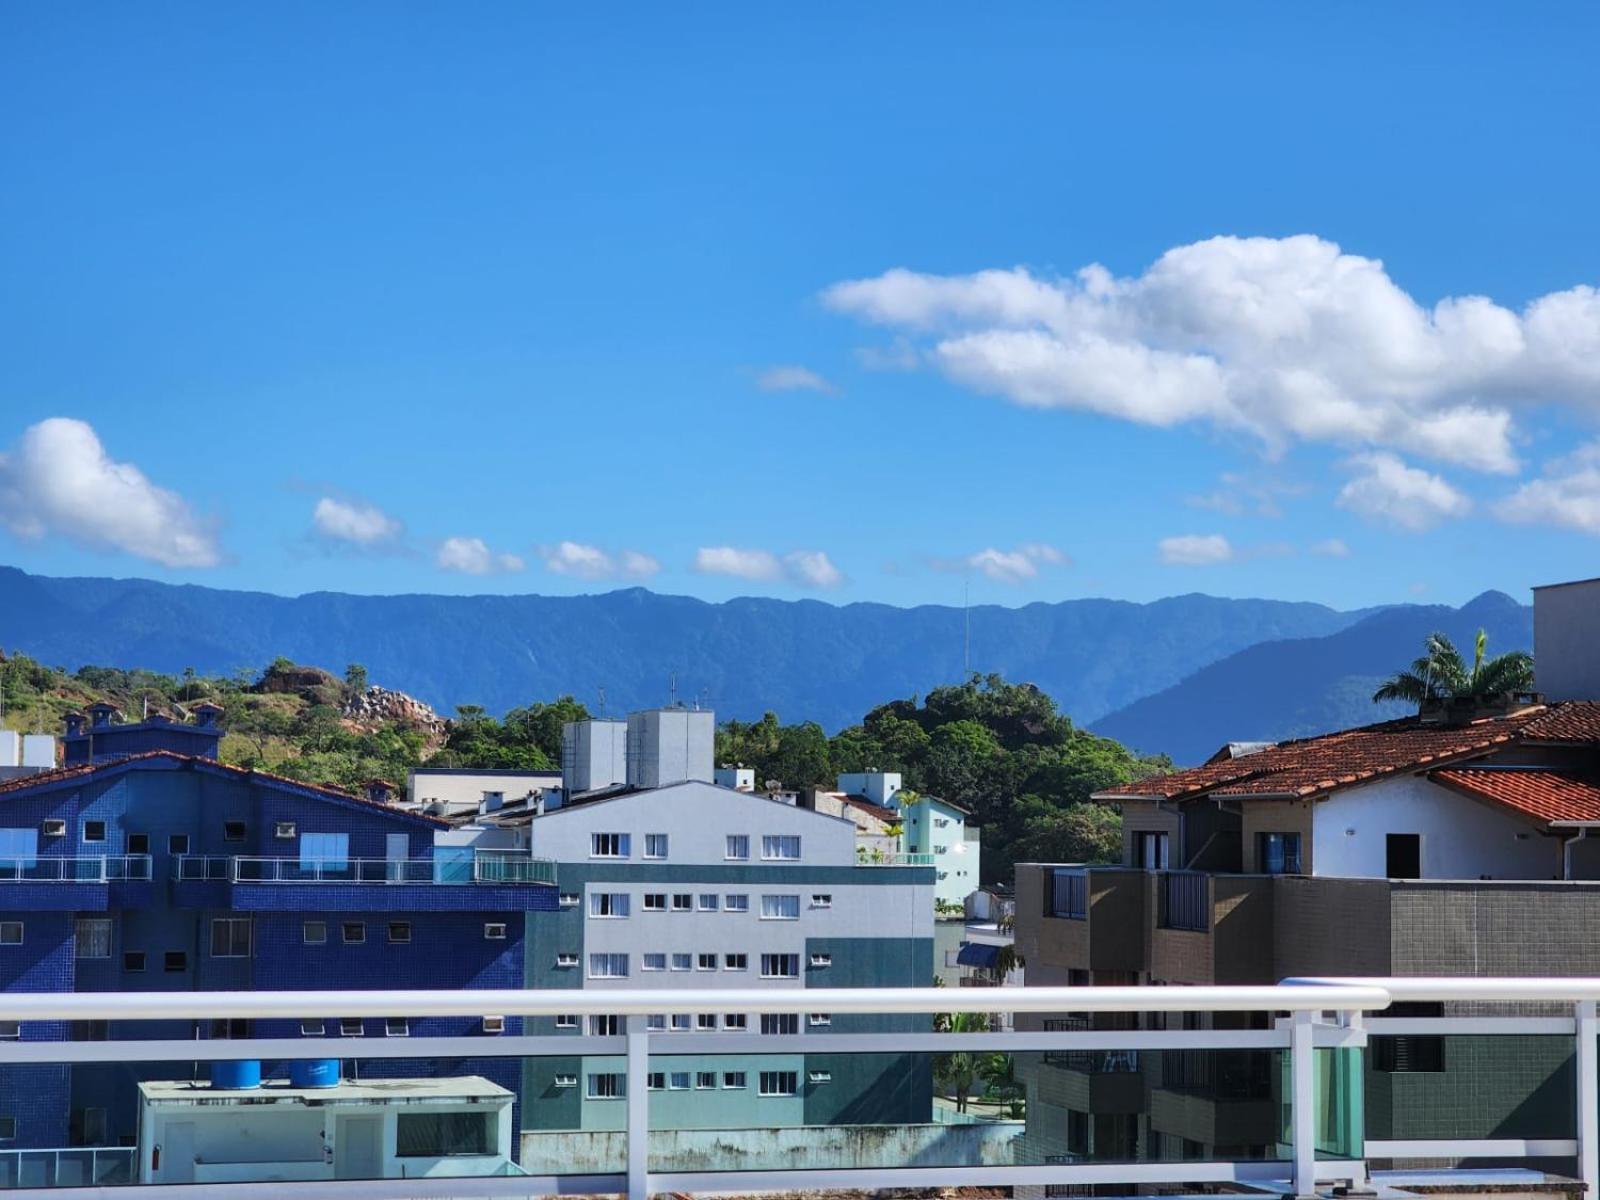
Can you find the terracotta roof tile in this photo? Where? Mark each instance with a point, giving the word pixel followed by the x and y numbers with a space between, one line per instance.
pixel 1569 721
pixel 1312 766
pixel 1546 795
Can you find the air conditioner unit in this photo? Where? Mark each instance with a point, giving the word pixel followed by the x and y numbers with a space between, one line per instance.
pixel 494 1024
pixel 819 1076
pixel 54 827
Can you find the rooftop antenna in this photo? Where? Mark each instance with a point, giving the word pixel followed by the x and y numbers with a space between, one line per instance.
pixel 602 699
pixel 672 690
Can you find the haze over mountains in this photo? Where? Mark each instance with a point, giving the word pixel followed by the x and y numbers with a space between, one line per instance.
pixel 1180 675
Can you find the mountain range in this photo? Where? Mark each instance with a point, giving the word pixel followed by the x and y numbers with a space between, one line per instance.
pixel 1179 675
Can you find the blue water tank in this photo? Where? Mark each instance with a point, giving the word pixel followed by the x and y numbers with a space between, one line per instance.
pixel 237 1073
pixel 314 1073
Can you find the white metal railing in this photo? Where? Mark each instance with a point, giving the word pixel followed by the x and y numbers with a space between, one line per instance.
pixel 1306 1016
pixel 67 1166
pixel 85 868
pixel 481 868
pixel 891 858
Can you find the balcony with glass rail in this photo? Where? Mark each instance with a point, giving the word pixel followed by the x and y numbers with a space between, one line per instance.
pixel 471 880
pixel 85 881
pixel 1308 1067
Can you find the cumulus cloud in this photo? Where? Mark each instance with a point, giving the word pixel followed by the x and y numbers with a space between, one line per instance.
pixel 1020 565
pixel 805 568
pixel 793 379
pixel 472 556
pixel 1195 550
pixel 591 562
pixel 1285 339
pixel 1567 495
pixel 59 481
pixel 354 521
pixel 1388 491
pixel 1330 548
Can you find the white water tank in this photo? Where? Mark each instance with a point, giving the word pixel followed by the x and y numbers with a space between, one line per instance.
pixel 39 750
pixel 671 745
pixel 593 755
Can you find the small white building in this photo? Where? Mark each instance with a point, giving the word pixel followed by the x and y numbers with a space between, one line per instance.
pixel 931 826
pixel 193 1133
pixel 456 792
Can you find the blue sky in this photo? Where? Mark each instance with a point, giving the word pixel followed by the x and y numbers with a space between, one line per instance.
pixel 734 299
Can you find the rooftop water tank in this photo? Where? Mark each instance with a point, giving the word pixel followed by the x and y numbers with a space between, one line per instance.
pixel 236 1073
pixel 314 1073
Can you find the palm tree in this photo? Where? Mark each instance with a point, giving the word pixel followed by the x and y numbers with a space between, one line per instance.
pixel 1442 675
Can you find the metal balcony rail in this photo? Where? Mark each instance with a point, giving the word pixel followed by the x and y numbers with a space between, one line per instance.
pixel 68 1166
pixel 98 868
pixel 1322 1015
pixel 482 868
pixel 889 858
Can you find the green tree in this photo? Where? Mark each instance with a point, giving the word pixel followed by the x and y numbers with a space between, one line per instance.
pixel 355 679
pixel 1442 675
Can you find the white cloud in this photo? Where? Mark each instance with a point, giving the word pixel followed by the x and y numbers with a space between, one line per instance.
pixel 1195 550
pixel 1330 548
pixel 759 566
pixel 591 562
pixel 1568 495
pixel 472 556
pixel 898 355
pixel 1389 491
pixel 793 379
pixel 1008 566
pixel 59 481
pixel 806 568
pixel 812 568
pixel 354 521
pixel 1285 339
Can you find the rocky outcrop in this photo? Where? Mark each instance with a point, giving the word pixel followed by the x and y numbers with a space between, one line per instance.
pixel 379 705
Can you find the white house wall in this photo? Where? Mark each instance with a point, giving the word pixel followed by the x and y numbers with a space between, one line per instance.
pixel 1462 838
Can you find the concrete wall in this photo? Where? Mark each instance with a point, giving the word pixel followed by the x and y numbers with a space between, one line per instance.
pixel 1142 816
pixel 1566 640
pixel 1461 838
pixel 462 790
pixel 751 1149
pixel 1276 816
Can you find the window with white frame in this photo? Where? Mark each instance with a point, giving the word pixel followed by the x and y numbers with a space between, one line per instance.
pixel 738 1021
pixel 570 899
pixel 819 1020
pixel 608 904
pixel 566 1081
pixel 566 1020
pixel 608 845
pixel 678 1081
pixel 655 1022
pixel 566 959
pixel 819 1076
pixel 682 902
pixel 325 850
pixel 656 1081
pixel 780 966
pixel 708 901
pixel 821 899
pixel 230 937
pixel 352 1027
pixel 780 908
pixel 704 1081
pixel 705 962
pixel 311 1028
pixel 736 902
pixel 780 1023
pixel 781 846
pixel 682 1023
pixel 607 1085
pixel 733 1080
pixel 655 902
pixel 738 847
pixel 495 931
pixel 705 1022
pixel 653 961
pixel 605 1025
pixel 778 1083
pixel 822 960
pixel 735 962
pixel 91 937
pixel 10 1031
pixel 682 962
pixel 608 966
pixel 11 933
pixel 655 845
pixel 18 848
pixel 396 1027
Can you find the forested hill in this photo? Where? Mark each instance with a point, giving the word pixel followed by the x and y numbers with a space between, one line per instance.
pixel 805 660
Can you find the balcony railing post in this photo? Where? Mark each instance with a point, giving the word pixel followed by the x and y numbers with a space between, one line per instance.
pixel 637 1088
pixel 1302 1110
pixel 1587 1028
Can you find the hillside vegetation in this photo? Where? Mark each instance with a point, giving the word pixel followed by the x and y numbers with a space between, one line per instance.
pixel 999 749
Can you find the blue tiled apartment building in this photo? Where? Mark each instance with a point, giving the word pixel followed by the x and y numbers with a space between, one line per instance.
pixel 144 864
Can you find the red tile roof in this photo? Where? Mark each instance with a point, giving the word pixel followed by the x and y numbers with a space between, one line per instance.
pixel 862 804
pixel 62 774
pixel 1545 795
pixel 1569 721
pixel 1315 766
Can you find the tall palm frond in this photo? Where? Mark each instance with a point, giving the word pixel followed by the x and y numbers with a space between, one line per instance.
pixel 1441 674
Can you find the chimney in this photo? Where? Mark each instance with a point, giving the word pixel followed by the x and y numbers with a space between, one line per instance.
pixel 206 714
pixel 380 791
pixel 75 722
pixel 100 714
